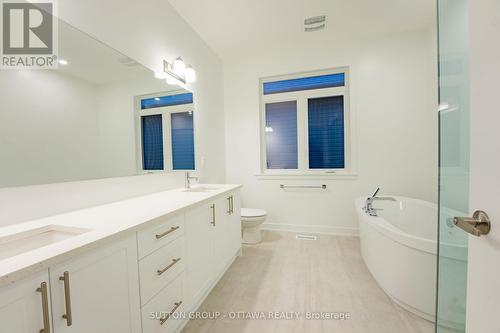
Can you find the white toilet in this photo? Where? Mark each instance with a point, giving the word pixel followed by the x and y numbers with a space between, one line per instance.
pixel 251 220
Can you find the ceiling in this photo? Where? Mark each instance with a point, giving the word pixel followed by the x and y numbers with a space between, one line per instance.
pixel 90 60
pixel 233 28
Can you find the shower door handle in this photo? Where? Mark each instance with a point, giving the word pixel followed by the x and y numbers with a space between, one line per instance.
pixel 477 225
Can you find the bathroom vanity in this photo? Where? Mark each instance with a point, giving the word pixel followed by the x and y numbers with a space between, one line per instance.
pixel 94 237
pixel 138 265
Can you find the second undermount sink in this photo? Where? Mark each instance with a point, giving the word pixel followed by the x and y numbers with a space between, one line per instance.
pixel 32 239
pixel 202 188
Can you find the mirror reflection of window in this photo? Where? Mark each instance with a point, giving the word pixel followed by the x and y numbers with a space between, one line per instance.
pixel 167 132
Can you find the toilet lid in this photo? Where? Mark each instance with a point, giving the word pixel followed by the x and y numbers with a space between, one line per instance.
pixel 253 212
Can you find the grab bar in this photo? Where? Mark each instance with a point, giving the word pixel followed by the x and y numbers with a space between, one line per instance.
pixel 322 187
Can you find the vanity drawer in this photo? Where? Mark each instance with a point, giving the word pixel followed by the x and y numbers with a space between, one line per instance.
pixel 160 234
pixel 160 268
pixel 169 300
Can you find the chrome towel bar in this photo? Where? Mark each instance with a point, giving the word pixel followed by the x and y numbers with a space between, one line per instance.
pixel 321 187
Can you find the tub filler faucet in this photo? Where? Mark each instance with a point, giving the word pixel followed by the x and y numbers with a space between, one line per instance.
pixel 369 203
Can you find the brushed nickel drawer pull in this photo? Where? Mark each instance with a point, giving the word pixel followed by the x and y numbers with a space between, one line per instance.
pixel 67 299
pixel 172 229
pixel 213 215
pixel 229 205
pixel 174 261
pixel 232 205
pixel 176 306
pixel 45 307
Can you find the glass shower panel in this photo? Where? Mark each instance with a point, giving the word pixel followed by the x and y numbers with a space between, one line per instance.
pixel 453 164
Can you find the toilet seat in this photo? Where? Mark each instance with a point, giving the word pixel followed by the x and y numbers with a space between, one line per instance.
pixel 252 213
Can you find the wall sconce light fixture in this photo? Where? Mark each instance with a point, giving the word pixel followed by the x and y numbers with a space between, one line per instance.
pixel 178 73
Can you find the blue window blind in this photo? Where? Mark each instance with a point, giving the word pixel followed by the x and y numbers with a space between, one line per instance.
pixel 306 83
pixel 152 142
pixel 169 100
pixel 326 133
pixel 182 141
pixel 281 135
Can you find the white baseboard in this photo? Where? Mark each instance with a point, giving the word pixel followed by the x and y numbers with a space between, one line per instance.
pixel 312 229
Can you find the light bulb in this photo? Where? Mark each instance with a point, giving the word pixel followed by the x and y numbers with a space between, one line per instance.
pixel 172 81
pixel 160 75
pixel 179 66
pixel 190 74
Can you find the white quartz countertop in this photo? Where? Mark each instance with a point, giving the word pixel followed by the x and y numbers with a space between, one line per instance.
pixel 106 223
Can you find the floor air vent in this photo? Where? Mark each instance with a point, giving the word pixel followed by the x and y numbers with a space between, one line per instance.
pixel 306 237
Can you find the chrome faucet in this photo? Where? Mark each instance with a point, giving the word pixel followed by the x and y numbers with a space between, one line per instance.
pixel 369 203
pixel 187 180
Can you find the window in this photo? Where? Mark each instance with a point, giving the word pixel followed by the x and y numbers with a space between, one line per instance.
pixel 281 130
pixel 152 142
pixel 166 132
pixel 325 118
pixel 305 123
pixel 182 141
pixel 304 83
pixel 169 100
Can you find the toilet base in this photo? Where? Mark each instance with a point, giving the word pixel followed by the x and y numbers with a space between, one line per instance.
pixel 252 235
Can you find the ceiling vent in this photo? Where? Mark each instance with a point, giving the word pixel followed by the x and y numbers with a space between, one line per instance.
pixel 314 23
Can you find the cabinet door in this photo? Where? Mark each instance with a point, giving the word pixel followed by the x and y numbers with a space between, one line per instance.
pixel 227 231
pixel 101 291
pixel 235 223
pixel 21 305
pixel 199 269
pixel 221 237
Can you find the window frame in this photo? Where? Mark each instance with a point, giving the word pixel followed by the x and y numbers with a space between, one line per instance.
pixel 166 112
pixel 301 97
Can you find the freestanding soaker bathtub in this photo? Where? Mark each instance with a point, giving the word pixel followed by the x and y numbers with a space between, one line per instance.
pixel 399 248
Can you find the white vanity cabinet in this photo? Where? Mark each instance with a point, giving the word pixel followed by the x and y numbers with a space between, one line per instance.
pixel 200 269
pixel 98 291
pixel 25 305
pixel 213 236
pixel 226 239
pixel 234 233
pixel 162 273
pixel 168 266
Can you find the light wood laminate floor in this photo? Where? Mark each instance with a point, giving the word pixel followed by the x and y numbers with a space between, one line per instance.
pixel 285 274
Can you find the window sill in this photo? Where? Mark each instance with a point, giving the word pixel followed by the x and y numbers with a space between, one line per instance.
pixel 327 176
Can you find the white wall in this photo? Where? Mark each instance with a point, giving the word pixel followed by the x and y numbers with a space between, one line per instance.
pixel 48 128
pixel 393 102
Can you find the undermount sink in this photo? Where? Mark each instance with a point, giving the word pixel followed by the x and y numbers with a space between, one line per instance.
pixel 202 188
pixel 32 239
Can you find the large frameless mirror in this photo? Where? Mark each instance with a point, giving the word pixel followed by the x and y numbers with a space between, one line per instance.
pixel 99 115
